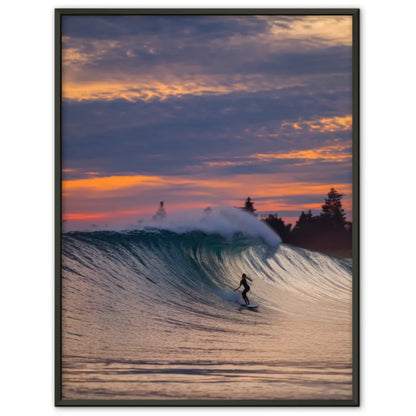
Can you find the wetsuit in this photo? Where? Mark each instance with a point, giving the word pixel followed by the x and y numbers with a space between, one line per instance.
pixel 246 289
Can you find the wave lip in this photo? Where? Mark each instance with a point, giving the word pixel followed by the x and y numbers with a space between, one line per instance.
pixel 225 221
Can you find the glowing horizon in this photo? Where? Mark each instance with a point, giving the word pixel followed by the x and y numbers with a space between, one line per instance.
pixel 103 188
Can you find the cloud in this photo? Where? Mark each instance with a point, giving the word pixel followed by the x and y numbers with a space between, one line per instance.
pixel 121 186
pixel 109 183
pixel 326 124
pixel 146 88
pixel 338 152
pixel 177 27
pixel 155 137
pixel 333 153
pixel 157 58
pixel 314 30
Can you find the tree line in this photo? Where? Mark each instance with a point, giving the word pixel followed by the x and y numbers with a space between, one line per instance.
pixel 329 231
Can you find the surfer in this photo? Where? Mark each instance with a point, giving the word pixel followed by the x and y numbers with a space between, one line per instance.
pixel 246 287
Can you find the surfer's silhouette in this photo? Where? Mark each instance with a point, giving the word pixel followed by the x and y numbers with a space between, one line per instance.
pixel 244 283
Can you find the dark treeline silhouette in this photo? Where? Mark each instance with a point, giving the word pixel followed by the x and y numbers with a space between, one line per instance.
pixel 328 232
pixel 278 225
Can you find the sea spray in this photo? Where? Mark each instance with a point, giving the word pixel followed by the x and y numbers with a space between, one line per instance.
pixel 225 221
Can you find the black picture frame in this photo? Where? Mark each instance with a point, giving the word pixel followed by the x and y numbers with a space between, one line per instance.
pixel 355 13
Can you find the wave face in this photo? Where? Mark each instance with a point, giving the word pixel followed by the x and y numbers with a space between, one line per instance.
pixel 147 312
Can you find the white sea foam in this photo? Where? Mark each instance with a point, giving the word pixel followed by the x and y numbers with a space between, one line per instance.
pixel 223 220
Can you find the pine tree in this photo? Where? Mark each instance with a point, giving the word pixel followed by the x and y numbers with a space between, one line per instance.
pixel 278 225
pixel 304 220
pixel 332 211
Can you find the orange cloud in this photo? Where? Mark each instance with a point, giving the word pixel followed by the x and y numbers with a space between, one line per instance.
pixel 146 88
pixel 322 125
pixel 75 56
pixel 315 30
pixel 110 183
pixel 84 216
pixel 118 183
pixel 71 56
pixel 135 90
pixel 333 153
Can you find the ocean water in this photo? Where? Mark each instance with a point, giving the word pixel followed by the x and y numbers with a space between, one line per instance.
pixel 151 314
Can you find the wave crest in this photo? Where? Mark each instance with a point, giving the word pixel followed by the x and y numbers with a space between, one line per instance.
pixel 225 221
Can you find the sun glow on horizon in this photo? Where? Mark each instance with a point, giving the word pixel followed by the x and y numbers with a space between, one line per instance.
pixel 88 196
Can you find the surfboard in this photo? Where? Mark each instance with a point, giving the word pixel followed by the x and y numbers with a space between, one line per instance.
pixel 251 306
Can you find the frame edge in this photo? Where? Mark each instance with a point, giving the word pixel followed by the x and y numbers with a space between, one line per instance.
pixel 58 210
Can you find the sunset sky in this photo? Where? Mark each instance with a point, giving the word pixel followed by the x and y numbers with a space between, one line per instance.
pixel 200 111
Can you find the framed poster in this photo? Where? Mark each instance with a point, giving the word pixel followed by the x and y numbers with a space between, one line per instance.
pixel 207 207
